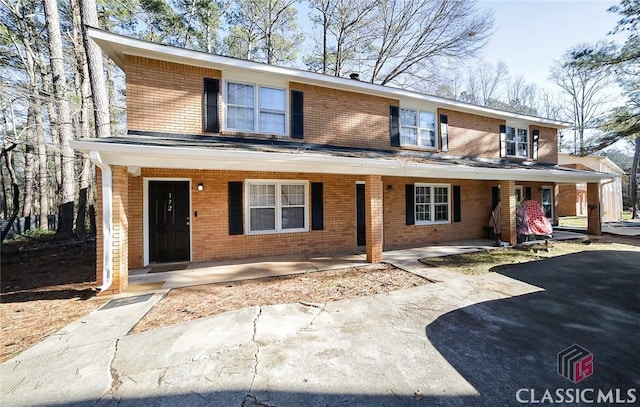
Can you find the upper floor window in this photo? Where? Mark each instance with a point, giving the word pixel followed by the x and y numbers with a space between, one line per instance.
pixel 517 142
pixel 417 128
pixel 432 203
pixel 243 113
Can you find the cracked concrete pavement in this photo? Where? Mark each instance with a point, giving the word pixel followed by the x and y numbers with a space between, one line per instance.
pixel 418 346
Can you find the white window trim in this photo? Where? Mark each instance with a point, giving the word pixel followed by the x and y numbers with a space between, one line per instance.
pixel 278 206
pixel 432 204
pixel 517 127
pixel 417 127
pixel 256 107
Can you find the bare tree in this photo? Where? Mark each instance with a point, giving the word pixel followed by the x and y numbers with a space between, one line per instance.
pixel 26 42
pixel 263 30
pixel 522 96
pixel 67 195
pixel 489 80
pixel 413 36
pixel 583 88
pixel 346 29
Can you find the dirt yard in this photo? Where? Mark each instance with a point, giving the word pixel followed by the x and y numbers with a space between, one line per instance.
pixel 47 283
pixel 188 303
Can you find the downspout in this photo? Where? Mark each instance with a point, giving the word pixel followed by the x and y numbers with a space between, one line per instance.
pixel 107 220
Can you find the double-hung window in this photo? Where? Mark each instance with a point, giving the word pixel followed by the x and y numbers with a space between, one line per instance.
pixel 417 128
pixel 254 108
pixel 432 203
pixel 277 206
pixel 517 142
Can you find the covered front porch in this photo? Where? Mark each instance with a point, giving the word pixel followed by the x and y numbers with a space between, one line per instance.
pixel 212 167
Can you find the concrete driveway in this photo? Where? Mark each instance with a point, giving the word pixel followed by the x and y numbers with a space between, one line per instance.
pixel 460 341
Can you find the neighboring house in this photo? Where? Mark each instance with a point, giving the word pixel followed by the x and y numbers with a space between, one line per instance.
pixel 226 158
pixel 572 199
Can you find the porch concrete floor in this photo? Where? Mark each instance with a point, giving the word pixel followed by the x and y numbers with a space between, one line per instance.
pixel 190 274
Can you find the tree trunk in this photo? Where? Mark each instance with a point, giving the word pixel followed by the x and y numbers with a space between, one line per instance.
pixel 67 195
pixel 96 72
pixel 8 156
pixel 5 213
pixel 43 177
pixel 27 206
pixel 634 180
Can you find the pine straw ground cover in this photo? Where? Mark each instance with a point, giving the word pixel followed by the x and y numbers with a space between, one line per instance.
pixel 46 284
pixel 184 304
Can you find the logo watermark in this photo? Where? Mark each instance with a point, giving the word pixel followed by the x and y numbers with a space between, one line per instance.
pixel 575 364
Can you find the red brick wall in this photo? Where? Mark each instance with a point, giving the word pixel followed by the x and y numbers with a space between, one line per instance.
pixel 165 96
pixel 567 197
pixel 548 145
pixel 338 117
pixel 211 240
pixel 473 135
pixel 475 209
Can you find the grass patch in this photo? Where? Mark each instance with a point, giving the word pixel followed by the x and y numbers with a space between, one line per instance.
pixel 626 215
pixel 497 259
pixel 573 221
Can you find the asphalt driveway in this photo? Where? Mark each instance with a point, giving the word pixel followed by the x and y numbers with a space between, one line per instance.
pixel 460 341
pixel 591 299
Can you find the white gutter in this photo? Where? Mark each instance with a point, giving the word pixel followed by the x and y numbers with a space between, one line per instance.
pixel 203 158
pixel 107 220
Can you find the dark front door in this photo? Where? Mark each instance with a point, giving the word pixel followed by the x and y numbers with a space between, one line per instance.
pixel 360 216
pixel 169 238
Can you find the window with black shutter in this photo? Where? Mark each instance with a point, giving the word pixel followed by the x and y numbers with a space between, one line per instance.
pixel 394 125
pixel 235 208
pixel 297 114
pixel 317 206
pixel 211 120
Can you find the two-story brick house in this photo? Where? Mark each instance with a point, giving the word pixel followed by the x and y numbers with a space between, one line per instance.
pixel 226 158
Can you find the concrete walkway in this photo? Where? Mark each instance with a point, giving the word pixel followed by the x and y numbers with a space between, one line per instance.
pixel 627 228
pixel 189 274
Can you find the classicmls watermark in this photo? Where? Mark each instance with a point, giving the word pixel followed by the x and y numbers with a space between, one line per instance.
pixel 575 364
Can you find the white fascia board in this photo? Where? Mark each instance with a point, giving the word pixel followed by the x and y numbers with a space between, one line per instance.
pixel 241 160
pixel 116 46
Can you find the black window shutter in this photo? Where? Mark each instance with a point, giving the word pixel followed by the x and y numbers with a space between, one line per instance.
pixel 527 193
pixel 457 210
pixel 410 203
pixel 503 140
pixel 444 132
pixel 317 206
pixel 495 197
pixel 235 208
pixel 394 125
pixel 211 91
pixel 534 148
pixel 297 114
